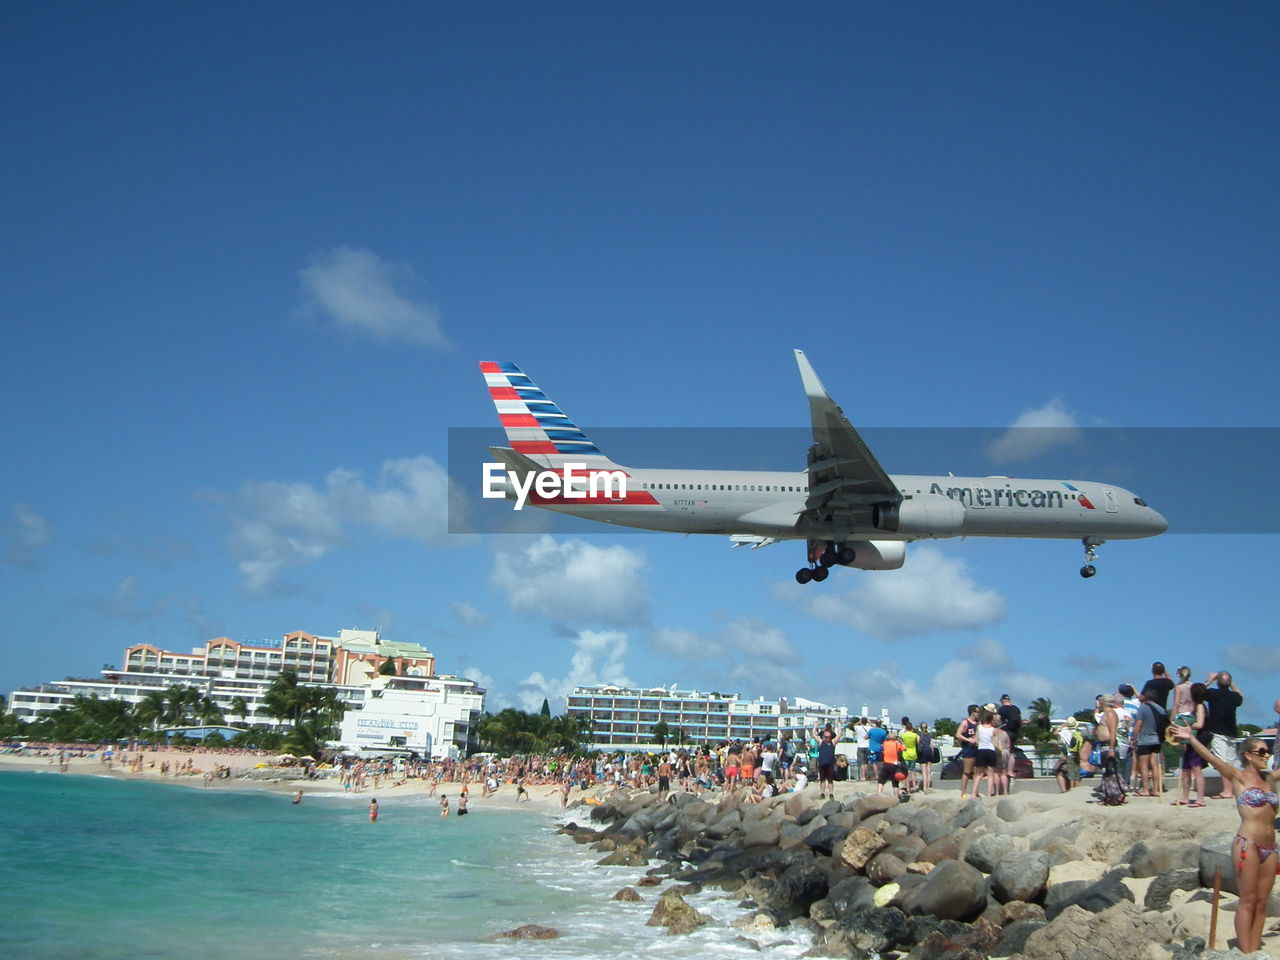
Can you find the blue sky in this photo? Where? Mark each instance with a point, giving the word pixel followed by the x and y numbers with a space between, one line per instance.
pixel 253 255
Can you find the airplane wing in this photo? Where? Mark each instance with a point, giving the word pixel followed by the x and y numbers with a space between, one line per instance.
pixel 844 478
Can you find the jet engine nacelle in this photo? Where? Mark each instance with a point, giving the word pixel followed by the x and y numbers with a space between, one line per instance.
pixel 924 515
pixel 878 554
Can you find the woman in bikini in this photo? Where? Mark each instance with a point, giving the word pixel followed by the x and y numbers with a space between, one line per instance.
pixel 1254 847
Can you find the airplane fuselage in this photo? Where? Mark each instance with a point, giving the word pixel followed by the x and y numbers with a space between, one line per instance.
pixel 773 504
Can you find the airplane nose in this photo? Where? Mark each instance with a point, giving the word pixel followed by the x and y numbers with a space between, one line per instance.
pixel 1158 523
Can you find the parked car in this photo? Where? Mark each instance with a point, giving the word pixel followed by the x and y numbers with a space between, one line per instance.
pixel 1023 768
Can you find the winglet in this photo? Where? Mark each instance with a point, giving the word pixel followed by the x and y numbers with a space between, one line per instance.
pixel 813 387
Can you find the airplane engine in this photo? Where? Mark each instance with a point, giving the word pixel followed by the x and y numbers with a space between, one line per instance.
pixel 924 515
pixel 877 554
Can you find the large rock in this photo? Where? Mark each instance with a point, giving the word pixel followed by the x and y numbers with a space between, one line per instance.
pixel 952 891
pixel 988 850
pixel 1010 809
pixel 963 942
pixel 529 931
pixel 796 890
pixel 1013 938
pixel 860 846
pixel 1021 875
pixel 873 931
pixel 1162 857
pixel 672 912
pixel 1215 853
pixel 850 895
pixel 947 847
pixel 824 838
pixel 885 868
pixel 876 803
pixel 1160 889
pixel 1093 897
pixel 1116 933
pixel 628 894
pixel 763 834
pixel 625 856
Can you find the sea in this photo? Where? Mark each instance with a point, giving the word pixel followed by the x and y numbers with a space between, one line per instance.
pixel 96 868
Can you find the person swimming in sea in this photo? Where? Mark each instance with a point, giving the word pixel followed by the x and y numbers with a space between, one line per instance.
pixel 1254 846
pixel 373 810
pixel 297 797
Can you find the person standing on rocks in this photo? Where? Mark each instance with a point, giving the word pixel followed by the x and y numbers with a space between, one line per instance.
pixel 826 762
pixel 1068 767
pixel 967 737
pixel 1254 846
pixel 924 751
pixel 1192 762
pixel 1147 742
pixel 1223 700
pixel 875 749
pixel 861 728
pixel 664 778
pixel 1011 723
pixel 910 751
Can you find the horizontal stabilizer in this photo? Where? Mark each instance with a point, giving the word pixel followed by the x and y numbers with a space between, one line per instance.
pixel 751 540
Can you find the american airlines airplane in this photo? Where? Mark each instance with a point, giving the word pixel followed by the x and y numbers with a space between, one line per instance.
pixel 848 509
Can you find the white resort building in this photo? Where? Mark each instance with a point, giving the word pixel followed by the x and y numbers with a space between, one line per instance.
pixel 627 716
pixel 412 709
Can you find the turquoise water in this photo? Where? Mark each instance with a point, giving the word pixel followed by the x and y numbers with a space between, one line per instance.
pixel 93 868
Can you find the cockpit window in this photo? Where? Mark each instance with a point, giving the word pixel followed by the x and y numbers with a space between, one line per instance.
pixel 1139 501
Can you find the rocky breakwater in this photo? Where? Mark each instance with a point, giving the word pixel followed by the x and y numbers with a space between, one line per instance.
pixel 934 879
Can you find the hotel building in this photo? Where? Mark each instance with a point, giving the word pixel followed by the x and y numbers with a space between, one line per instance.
pixel 626 717
pixel 441 712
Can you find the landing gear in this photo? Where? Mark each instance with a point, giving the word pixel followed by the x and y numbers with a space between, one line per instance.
pixel 846 555
pixel 829 558
pixel 804 575
pixel 820 574
pixel 1090 555
pixel 823 555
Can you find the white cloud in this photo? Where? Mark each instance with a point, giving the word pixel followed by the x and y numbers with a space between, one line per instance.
pixel 743 637
pixel 1253 657
pixel 1036 431
pixel 357 291
pixel 129 603
pixel 598 657
pixel 574 582
pixel 279 524
pixel 932 592
pixel 25 533
pixel 468 615
pixel 906 690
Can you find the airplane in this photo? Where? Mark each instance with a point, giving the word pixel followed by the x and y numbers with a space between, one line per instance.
pixel 845 506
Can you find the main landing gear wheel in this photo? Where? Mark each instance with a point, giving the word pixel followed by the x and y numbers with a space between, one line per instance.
pixel 829 558
pixel 820 574
pixel 845 555
pixel 1090 555
pixel 804 575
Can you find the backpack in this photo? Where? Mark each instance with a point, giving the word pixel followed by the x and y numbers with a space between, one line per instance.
pixel 1111 789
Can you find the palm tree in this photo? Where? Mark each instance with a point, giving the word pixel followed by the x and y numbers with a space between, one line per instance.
pixel 1042 711
pixel 661 730
pixel 239 707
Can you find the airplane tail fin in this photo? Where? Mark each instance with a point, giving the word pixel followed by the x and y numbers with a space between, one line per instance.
pixel 535 426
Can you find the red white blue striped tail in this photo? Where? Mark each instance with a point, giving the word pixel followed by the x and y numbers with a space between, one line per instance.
pixel 535 426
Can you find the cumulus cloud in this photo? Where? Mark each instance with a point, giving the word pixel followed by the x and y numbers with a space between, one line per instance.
pixel 1253 657
pixel 743 637
pixel 932 592
pixel 1036 431
pixel 905 690
pixel 598 657
pixel 24 533
pixel 278 524
pixel 574 582
pixel 467 615
pixel 361 293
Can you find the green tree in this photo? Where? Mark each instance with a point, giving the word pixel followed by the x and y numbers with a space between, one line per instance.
pixel 945 727
pixel 388 668
pixel 661 731
pixel 239 707
pixel 546 708
pixel 1041 711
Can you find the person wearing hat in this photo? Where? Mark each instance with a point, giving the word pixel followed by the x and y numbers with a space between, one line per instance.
pixel 1067 768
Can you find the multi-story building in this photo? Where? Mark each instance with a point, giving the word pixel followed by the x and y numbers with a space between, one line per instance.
pixel 628 717
pixel 236 677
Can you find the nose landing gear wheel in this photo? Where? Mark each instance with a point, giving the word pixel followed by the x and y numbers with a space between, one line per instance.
pixel 1088 570
pixel 804 575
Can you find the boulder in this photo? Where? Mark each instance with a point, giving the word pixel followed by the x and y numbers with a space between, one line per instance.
pixel 988 850
pixel 1162 857
pixel 648 881
pixel 529 931
pixel 624 856
pixel 875 803
pixel 850 895
pixel 1109 935
pixel 960 942
pixel 763 834
pixel 1093 897
pixel 824 838
pixel 953 890
pixel 1013 938
pixel 1021 875
pixel 930 825
pixel 885 868
pixel 672 912
pixel 1016 910
pixel 860 846
pixel 907 848
pixel 875 931
pixel 628 894
pixel 1215 853
pixel 799 887
pixel 920 867
pixel 946 847
pixel 1010 809
pixel 1160 889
